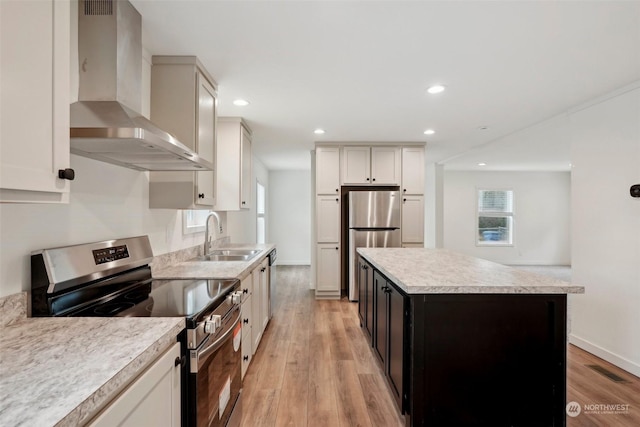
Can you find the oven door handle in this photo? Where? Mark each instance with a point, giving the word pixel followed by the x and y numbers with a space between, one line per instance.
pixel 200 356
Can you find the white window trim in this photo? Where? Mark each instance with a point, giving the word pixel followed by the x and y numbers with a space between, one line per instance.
pixel 186 229
pixel 261 215
pixel 496 214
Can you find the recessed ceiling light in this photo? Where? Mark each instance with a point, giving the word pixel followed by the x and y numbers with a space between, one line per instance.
pixel 435 89
pixel 318 131
pixel 482 164
pixel 240 103
pixel 429 132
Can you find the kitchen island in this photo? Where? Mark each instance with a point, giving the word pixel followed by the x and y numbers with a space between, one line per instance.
pixel 465 341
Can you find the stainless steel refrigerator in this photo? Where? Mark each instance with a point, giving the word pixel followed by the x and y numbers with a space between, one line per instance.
pixel 374 222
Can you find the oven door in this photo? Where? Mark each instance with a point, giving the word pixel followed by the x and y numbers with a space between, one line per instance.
pixel 214 381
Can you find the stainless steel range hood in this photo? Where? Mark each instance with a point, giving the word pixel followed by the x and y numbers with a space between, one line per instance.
pixel 105 123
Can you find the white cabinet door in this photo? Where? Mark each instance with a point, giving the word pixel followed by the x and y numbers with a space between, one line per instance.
pixel 412 219
pixel 183 103
pixel 328 268
pixel 206 141
pixel 264 294
pixel 356 165
pixel 328 170
pixel 328 219
pixel 256 303
pixel 385 165
pixel 234 165
pixel 151 400
pixel 246 177
pixel 34 106
pixel 247 322
pixel 413 170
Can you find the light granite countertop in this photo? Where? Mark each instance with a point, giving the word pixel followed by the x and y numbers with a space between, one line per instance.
pixel 62 371
pixel 441 271
pixel 194 269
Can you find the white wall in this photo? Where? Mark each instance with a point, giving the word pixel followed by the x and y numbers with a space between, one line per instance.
pixel 290 216
pixel 96 211
pixel 106 202
pixel 541 215
pixel 243 224
pixel 605 155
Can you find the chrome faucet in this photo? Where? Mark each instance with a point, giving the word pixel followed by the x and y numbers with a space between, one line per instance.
pixel 207 238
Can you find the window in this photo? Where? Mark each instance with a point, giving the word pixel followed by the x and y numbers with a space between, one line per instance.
pixel 495 218
pixel 261 229
pixel 193 221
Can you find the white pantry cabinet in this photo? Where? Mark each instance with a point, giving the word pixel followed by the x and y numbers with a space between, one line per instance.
pixel 153 399
pixel 233 164
pixel 184 103
pixel 328 271
pixel 376 165
pixel 412 219
pixel 34 110
pixel 328 219
pixel 413 170
pixel 328 170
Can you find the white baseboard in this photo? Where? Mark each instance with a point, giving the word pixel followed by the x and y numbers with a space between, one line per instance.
pixel 602 353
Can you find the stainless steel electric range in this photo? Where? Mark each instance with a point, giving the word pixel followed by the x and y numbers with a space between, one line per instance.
pixel 113 278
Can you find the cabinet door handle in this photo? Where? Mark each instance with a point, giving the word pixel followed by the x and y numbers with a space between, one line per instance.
pixel 67 173
pixel 373 179
pixel 337 200
pixel 263 269
pixel 337 190
pixel 244 203
pixel 245 321
pixel 337 248
pixel 200 195
pixel 245 291
pixel 245 358
pixel 404 191
pixel 180 360
pixel 367 179
pixel 404 200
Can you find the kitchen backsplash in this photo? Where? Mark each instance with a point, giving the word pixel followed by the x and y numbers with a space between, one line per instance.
pixel 13 308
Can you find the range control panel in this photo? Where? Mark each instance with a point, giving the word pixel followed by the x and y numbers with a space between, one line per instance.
pixel 101 256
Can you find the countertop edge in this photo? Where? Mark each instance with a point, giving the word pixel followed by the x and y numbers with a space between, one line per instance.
pixel 99 399
pixel 566 288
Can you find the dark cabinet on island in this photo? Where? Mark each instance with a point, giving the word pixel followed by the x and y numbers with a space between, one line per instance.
pixel 466 342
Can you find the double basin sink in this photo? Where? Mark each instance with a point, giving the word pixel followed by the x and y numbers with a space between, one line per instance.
pixel 229 255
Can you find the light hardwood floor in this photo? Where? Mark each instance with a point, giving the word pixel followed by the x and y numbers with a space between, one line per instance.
pixel 314 367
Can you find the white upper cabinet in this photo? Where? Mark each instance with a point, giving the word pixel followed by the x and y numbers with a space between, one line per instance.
pixel 371 165
pixel 234 165
pixel 327 170
pixel 413 170
pixel 385 165
pixel 184 103
pixel 356 165
pixel 34 118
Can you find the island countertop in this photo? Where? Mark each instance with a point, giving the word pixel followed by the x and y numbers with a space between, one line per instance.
pixel 441 271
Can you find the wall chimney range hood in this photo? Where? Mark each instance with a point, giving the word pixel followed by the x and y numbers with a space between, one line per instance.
pixel 105 123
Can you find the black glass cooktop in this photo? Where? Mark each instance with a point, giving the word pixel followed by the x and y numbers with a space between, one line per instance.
pixel 189 298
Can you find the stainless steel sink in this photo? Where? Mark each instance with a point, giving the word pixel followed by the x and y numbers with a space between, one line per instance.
pixel 229 255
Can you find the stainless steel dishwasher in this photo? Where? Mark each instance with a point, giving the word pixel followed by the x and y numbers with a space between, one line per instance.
pixel 272 280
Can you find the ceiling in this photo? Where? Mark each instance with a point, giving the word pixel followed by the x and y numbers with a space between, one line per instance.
pixel 360 70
